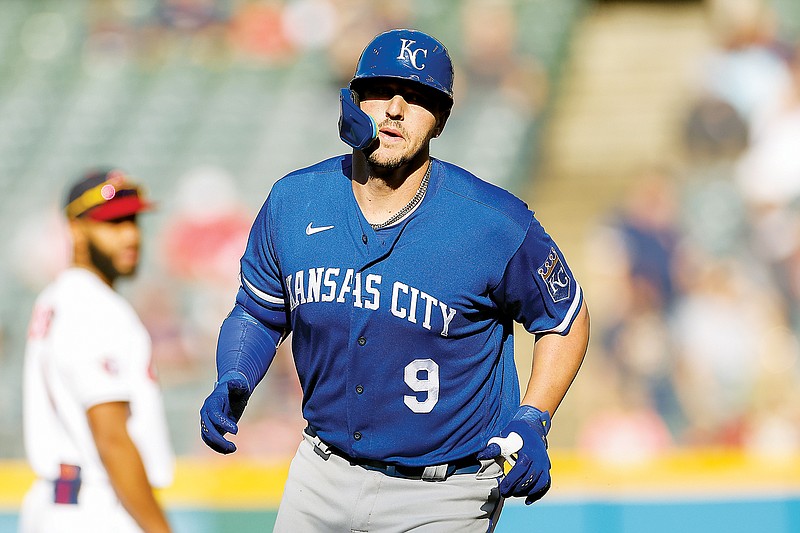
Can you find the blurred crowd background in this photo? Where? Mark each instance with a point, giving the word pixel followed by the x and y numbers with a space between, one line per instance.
pixel 673 185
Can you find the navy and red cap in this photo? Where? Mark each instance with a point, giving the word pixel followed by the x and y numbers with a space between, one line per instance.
pixel 103 195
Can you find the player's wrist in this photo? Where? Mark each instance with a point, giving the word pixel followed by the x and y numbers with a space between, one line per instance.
pixel 534 417
pixel 231 375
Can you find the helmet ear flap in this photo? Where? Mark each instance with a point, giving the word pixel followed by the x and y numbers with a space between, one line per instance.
pixel 356 128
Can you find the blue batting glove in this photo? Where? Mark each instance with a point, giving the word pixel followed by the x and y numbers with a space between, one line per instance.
pixel 523 443
pixel 222 410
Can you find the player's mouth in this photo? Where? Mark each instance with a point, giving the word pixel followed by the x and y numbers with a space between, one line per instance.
pixel 130 255
pixel 391 133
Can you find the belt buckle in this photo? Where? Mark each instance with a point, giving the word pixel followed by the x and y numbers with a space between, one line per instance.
pixel 437 472
pixel 424 473
pixel 320 448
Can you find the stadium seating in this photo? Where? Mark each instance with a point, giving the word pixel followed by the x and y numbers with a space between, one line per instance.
pixel 82 86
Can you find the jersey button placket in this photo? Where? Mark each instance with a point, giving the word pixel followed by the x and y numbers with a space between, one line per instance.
pixel 361 341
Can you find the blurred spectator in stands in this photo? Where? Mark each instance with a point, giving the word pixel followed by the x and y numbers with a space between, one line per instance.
pixel 201 244
pixel 624 427
pixel 159 306
pixel 714 132
pixel 310 24
pixel 155 32
pixel 204 238
pixel 39 249
pixel 648 227
pixel 198 26
pixel 638 349
pixel 492 60
pixel 189 15
pixel 358 21
pixel 111 42
pixel 769 172
pixel 695 337
pixel 747 67
pixel 636 252
pixel 768 175
pixel 714 217
pixel 720 330
pixel 257 34
pixel 773 420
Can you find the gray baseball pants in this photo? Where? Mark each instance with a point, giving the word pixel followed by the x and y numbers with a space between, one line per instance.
pixel 324 493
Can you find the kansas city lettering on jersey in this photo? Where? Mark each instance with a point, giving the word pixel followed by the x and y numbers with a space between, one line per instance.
pixel 330 285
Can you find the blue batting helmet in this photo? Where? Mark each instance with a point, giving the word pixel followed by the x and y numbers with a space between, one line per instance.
pixel 409 55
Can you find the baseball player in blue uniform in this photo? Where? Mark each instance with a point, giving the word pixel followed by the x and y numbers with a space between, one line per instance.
pixel 400 277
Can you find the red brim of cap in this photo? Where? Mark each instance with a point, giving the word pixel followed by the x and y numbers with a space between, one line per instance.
pixel 120 207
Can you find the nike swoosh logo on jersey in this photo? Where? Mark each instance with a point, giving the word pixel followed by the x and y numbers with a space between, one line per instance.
pixel 311 230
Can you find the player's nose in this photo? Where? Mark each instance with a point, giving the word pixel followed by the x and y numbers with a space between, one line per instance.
pixel 129 232
pixel 396 107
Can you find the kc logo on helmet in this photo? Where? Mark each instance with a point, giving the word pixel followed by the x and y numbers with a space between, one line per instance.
pixel 555 277
pixel 407 52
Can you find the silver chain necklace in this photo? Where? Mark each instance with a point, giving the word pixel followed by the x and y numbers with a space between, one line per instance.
pixel 410 205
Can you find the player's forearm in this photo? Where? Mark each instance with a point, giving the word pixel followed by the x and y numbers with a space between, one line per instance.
pixel 556 361
pixel 123 463
pixel 129 480
pixel 245 346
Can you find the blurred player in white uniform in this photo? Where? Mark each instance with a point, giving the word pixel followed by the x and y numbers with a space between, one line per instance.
pixel 95 431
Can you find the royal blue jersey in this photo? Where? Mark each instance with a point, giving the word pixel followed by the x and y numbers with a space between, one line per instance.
pixel 403 337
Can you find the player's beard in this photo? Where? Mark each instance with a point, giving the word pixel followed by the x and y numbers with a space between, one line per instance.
pixel 104 263
pixel 382 163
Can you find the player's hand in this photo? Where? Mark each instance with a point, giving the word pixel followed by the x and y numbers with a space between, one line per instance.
pixel 222 410
pixel 523 443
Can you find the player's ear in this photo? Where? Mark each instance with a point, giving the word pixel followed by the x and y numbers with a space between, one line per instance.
pixel 441 120
pixel 77 230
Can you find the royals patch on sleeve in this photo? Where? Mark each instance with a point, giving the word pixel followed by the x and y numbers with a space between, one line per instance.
pixel 555 277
